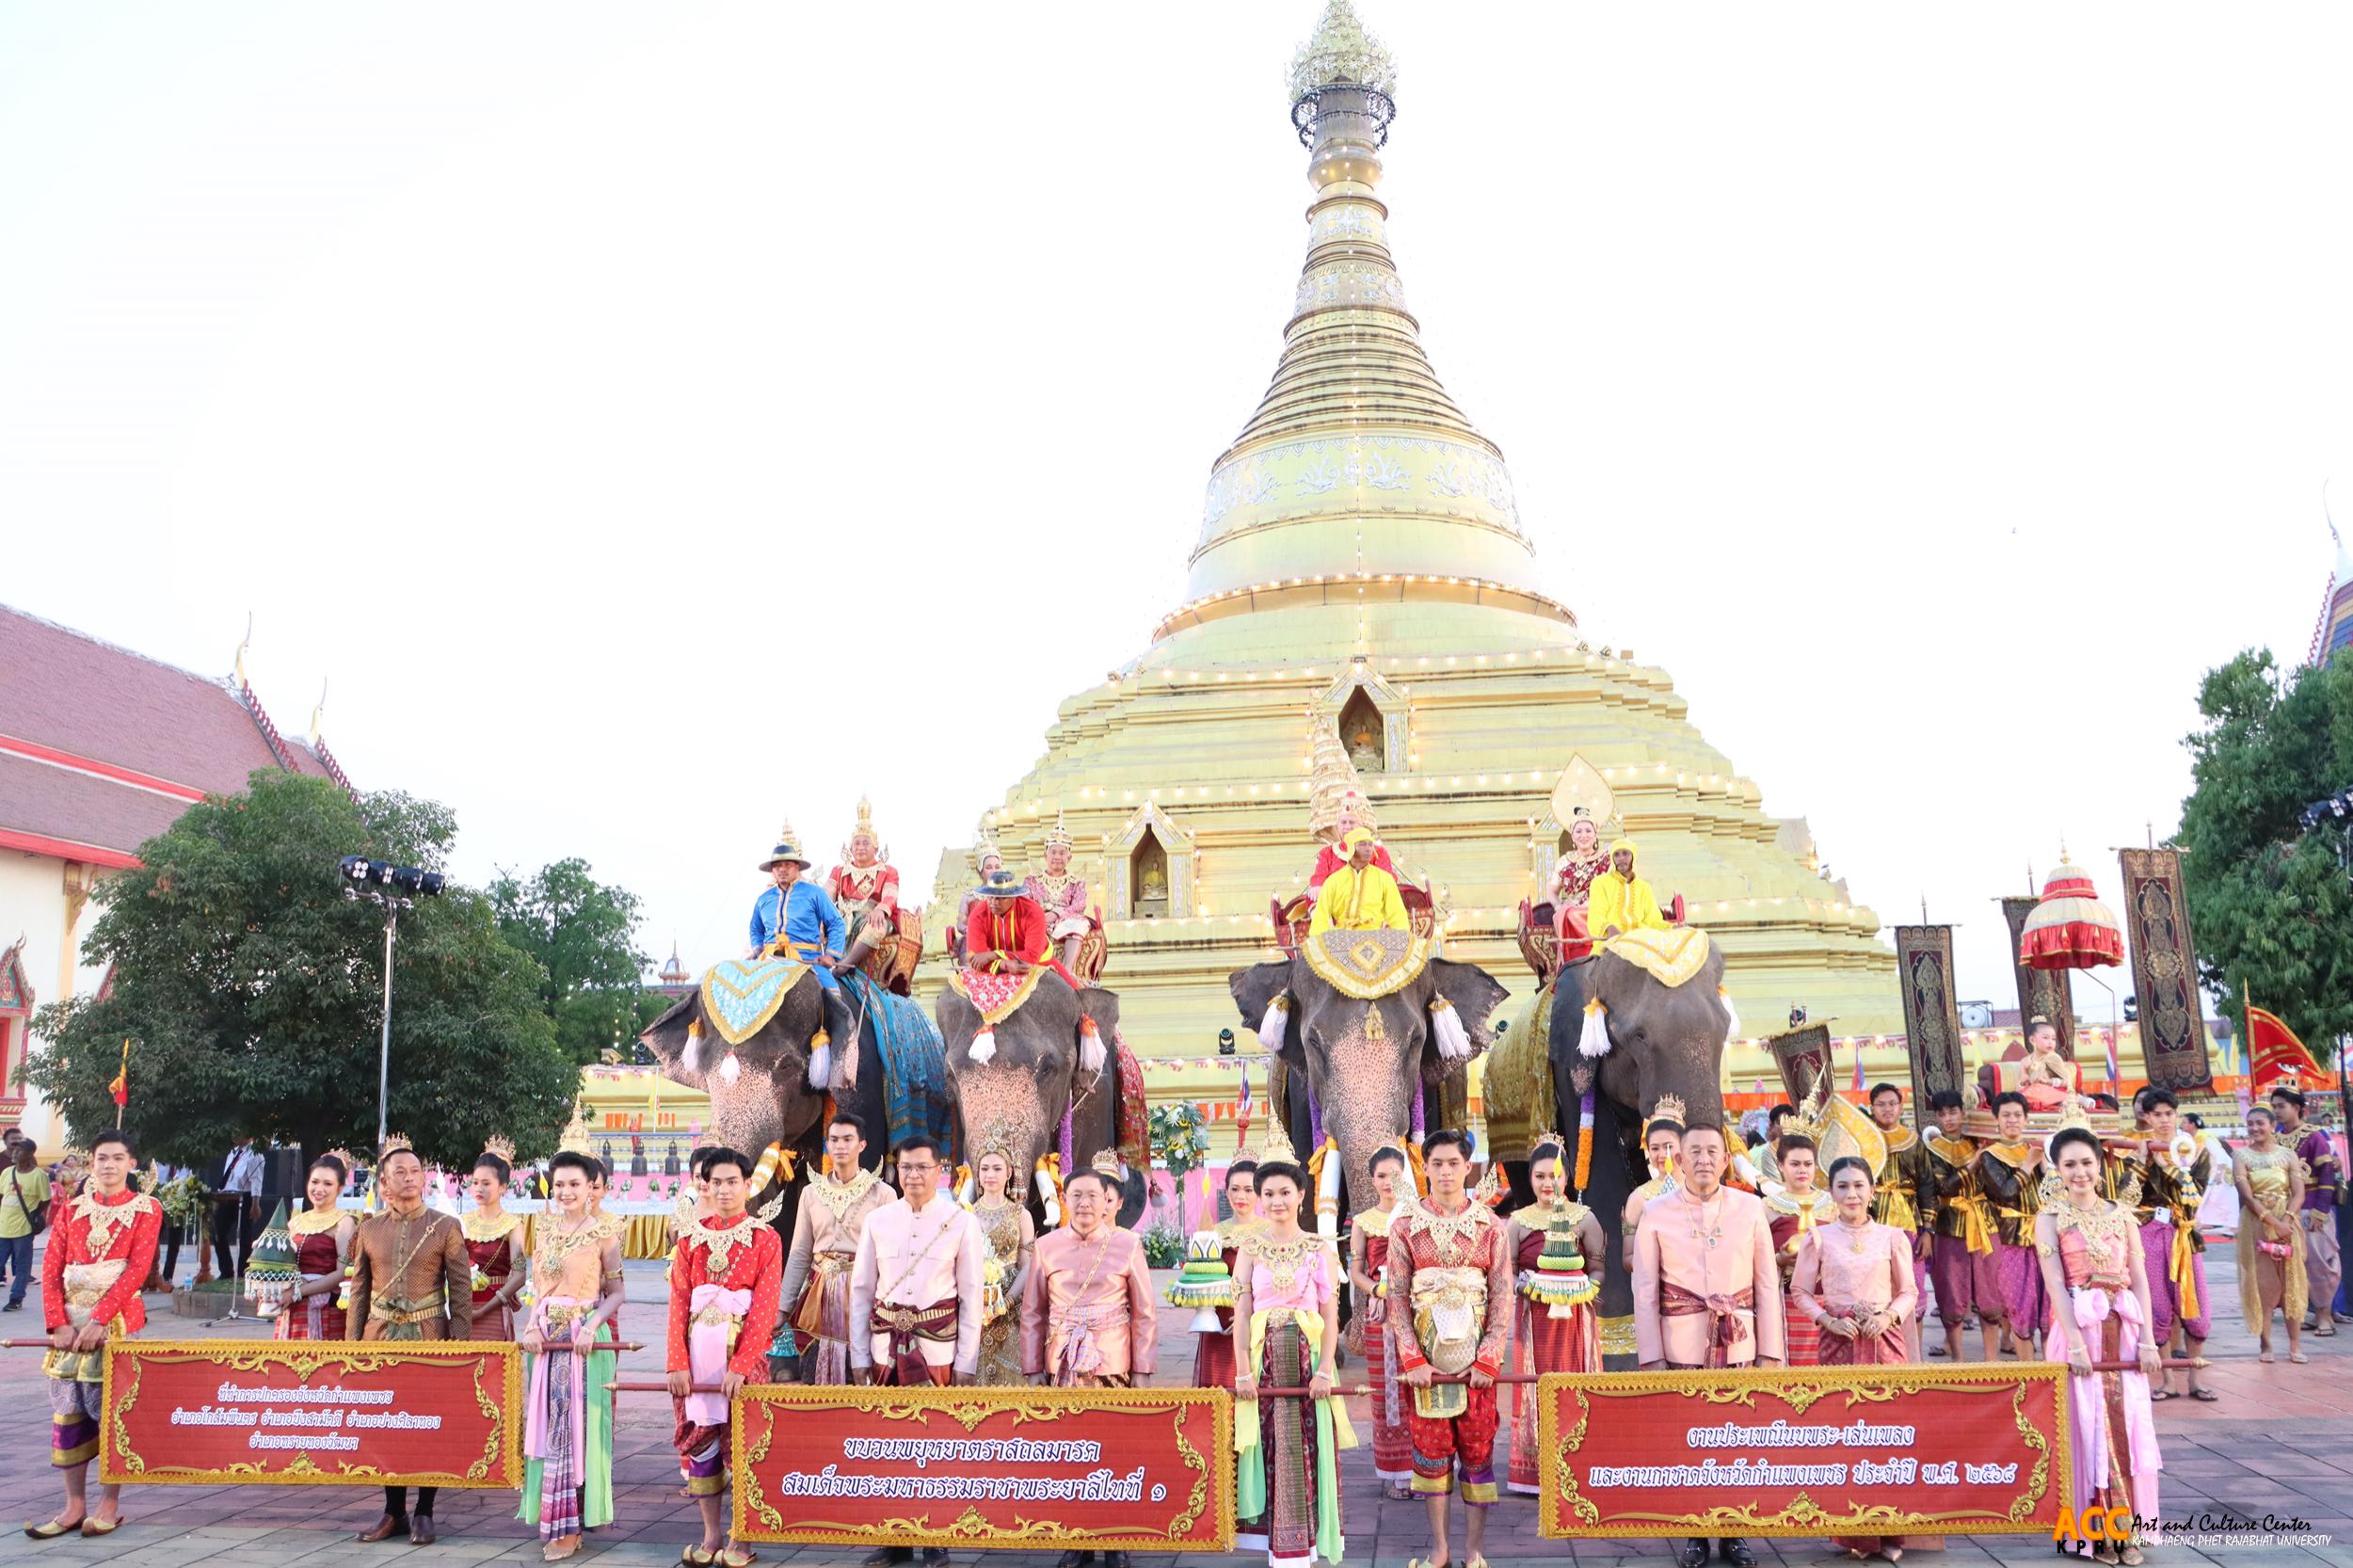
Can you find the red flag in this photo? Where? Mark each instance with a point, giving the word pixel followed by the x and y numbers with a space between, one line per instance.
pixel 120 1087
pixel 2278 1056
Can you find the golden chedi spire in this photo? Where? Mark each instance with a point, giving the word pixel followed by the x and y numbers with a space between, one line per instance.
pixel 1358 482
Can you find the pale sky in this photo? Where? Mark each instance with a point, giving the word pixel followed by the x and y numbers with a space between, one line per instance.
pixel 650 421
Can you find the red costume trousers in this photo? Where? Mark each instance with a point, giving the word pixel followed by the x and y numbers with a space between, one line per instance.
pixel 1440 1441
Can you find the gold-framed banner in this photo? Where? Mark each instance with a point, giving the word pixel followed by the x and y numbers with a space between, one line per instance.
pixel 1038 1469
pixel 1804 1450
pixel 298 1412
pixel 2164 972
pixel 1924 966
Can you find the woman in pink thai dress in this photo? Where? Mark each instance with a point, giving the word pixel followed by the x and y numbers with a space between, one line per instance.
pixel 1288 1321
pixel 1853 1282
pixel 576 1280
pixel 2098 1277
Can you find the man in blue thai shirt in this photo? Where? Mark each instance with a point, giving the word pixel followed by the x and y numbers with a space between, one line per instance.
pixel 799 920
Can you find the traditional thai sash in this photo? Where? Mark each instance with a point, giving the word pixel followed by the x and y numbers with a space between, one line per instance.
pixel 1333 1434
pixel 1072 1346
pixel 85 1285
pixel 825 1272
pixel 1449 1313
pixel 1725 1328
pixel 711 1333
pixel 906 1328
pixel 555 1427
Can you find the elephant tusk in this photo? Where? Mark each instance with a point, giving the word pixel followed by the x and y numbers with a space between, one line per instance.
pixel 1732 1015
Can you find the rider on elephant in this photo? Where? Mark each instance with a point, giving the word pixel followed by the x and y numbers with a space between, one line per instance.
pixel 1359 896
pixel 1352 812
pixel 795 920
pixel 1007 934
pixel 869 884
pixel 1623 902
pixel 1061 895
pixel 1572 877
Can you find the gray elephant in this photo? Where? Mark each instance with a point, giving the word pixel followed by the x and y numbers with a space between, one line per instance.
pixel 1663 1040
pixel 1036 1071
pixel 1361 1060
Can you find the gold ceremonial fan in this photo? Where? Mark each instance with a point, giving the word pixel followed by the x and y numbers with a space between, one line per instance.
pixel 1582 788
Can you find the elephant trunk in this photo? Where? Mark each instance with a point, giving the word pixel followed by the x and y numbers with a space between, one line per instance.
pixel 1363 1108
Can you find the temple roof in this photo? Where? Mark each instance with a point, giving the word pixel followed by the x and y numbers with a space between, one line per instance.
pixel 102 748
pixel 1357 467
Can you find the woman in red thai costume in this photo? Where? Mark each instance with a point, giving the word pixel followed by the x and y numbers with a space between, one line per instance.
pixel 1853 1282
pixel 322 1238
pixel 1353 813
pixel 1572 887
pixel 1553 1327
pixel 1795 1212
pixel 1213 1351
pixel 2271 1274
pixel 1286 1306
pixel 494 1243
pixel 2093 1267
pixel 1367 1331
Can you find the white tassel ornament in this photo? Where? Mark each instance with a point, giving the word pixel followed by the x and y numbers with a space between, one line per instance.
pixel 984 1045
pixel 819 1061
pixel 730 1069
pixel 1277 1022
pixel 1593 1042
pixel 1090 1046
pixel 1454 1039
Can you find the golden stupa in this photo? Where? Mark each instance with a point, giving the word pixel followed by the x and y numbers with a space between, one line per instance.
pixel 1362 565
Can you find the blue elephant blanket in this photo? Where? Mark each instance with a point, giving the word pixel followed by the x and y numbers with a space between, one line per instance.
pixel 916 1096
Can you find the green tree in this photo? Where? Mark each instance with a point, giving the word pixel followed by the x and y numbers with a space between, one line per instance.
pixel 254 989
pixel 583 933
pixel 2270 903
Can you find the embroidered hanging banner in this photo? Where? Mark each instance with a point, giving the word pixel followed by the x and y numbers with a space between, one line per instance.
pixel 2041 992
pixel 1366 965
pixel 1924 960
pixel 740 996
pixel 2164 972
pixel 290 1413
pixel 1804 1451
pixel 1034 1469
pixel 1803 1054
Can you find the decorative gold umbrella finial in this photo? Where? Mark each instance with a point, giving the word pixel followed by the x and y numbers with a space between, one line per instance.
pixel 1341 51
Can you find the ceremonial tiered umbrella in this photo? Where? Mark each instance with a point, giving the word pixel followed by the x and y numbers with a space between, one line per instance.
pixel 2069 929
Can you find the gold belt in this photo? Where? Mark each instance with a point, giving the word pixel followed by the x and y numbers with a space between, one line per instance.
pixel 715 1315
pixel 834 1262
pixel 378 1312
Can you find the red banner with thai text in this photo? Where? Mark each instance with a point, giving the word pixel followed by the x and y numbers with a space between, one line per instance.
pixel 1100 1469
pixel 1804 1450
pixel 202 1413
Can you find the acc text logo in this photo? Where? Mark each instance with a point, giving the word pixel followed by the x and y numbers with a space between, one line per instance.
pixel 2094 1524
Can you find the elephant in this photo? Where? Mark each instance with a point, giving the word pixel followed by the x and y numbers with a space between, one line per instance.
pixel 1663 1040
pixel 1362 1077
pixel 1034 1075
pixel 768 1098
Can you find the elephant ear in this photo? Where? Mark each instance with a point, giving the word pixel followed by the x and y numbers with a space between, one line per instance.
pixel 1254 990
pixel 667 1038
pixel 1475 993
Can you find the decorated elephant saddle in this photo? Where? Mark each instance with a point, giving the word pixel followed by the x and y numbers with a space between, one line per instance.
pixel 1366 965
pixel 1669 957
pixel 994 996
pixel 740 995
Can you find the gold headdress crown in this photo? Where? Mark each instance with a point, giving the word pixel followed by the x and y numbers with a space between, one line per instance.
pixel 1276 1144
pixel 1106 1163
pixel 1541 1137
pixel 350 1160
pixel 394 1142
pixel 983 850
pixel 1057 836
pixel 865 823
pixel 996 1139
pixel 1668 1109
pixel 502 1146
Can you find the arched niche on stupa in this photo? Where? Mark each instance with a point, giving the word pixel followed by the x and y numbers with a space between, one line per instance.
pixel 1371 718
pixel 1149 843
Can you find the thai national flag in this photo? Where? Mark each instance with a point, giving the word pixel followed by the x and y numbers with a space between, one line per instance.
pixel 1858 1063
pixel 2116 1084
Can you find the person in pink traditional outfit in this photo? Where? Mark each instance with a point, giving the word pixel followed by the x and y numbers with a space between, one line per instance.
pixel 1706 1292
pixel 1553 1241
pixel 1855 1284
pixel 100 1251
pixel 2044 1077
pixel 1332 854
pixel 1368 1262
pixel 1450 1281
pixel 1286 1307
pixel 2098 1279
pixel 825 1231
pixel 915 1294
pixel 1063 896
pixel 322 1237
pixel 726 1280
pixel 576 1279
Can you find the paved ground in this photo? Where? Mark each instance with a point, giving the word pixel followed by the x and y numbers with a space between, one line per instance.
pixel 2280 1442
